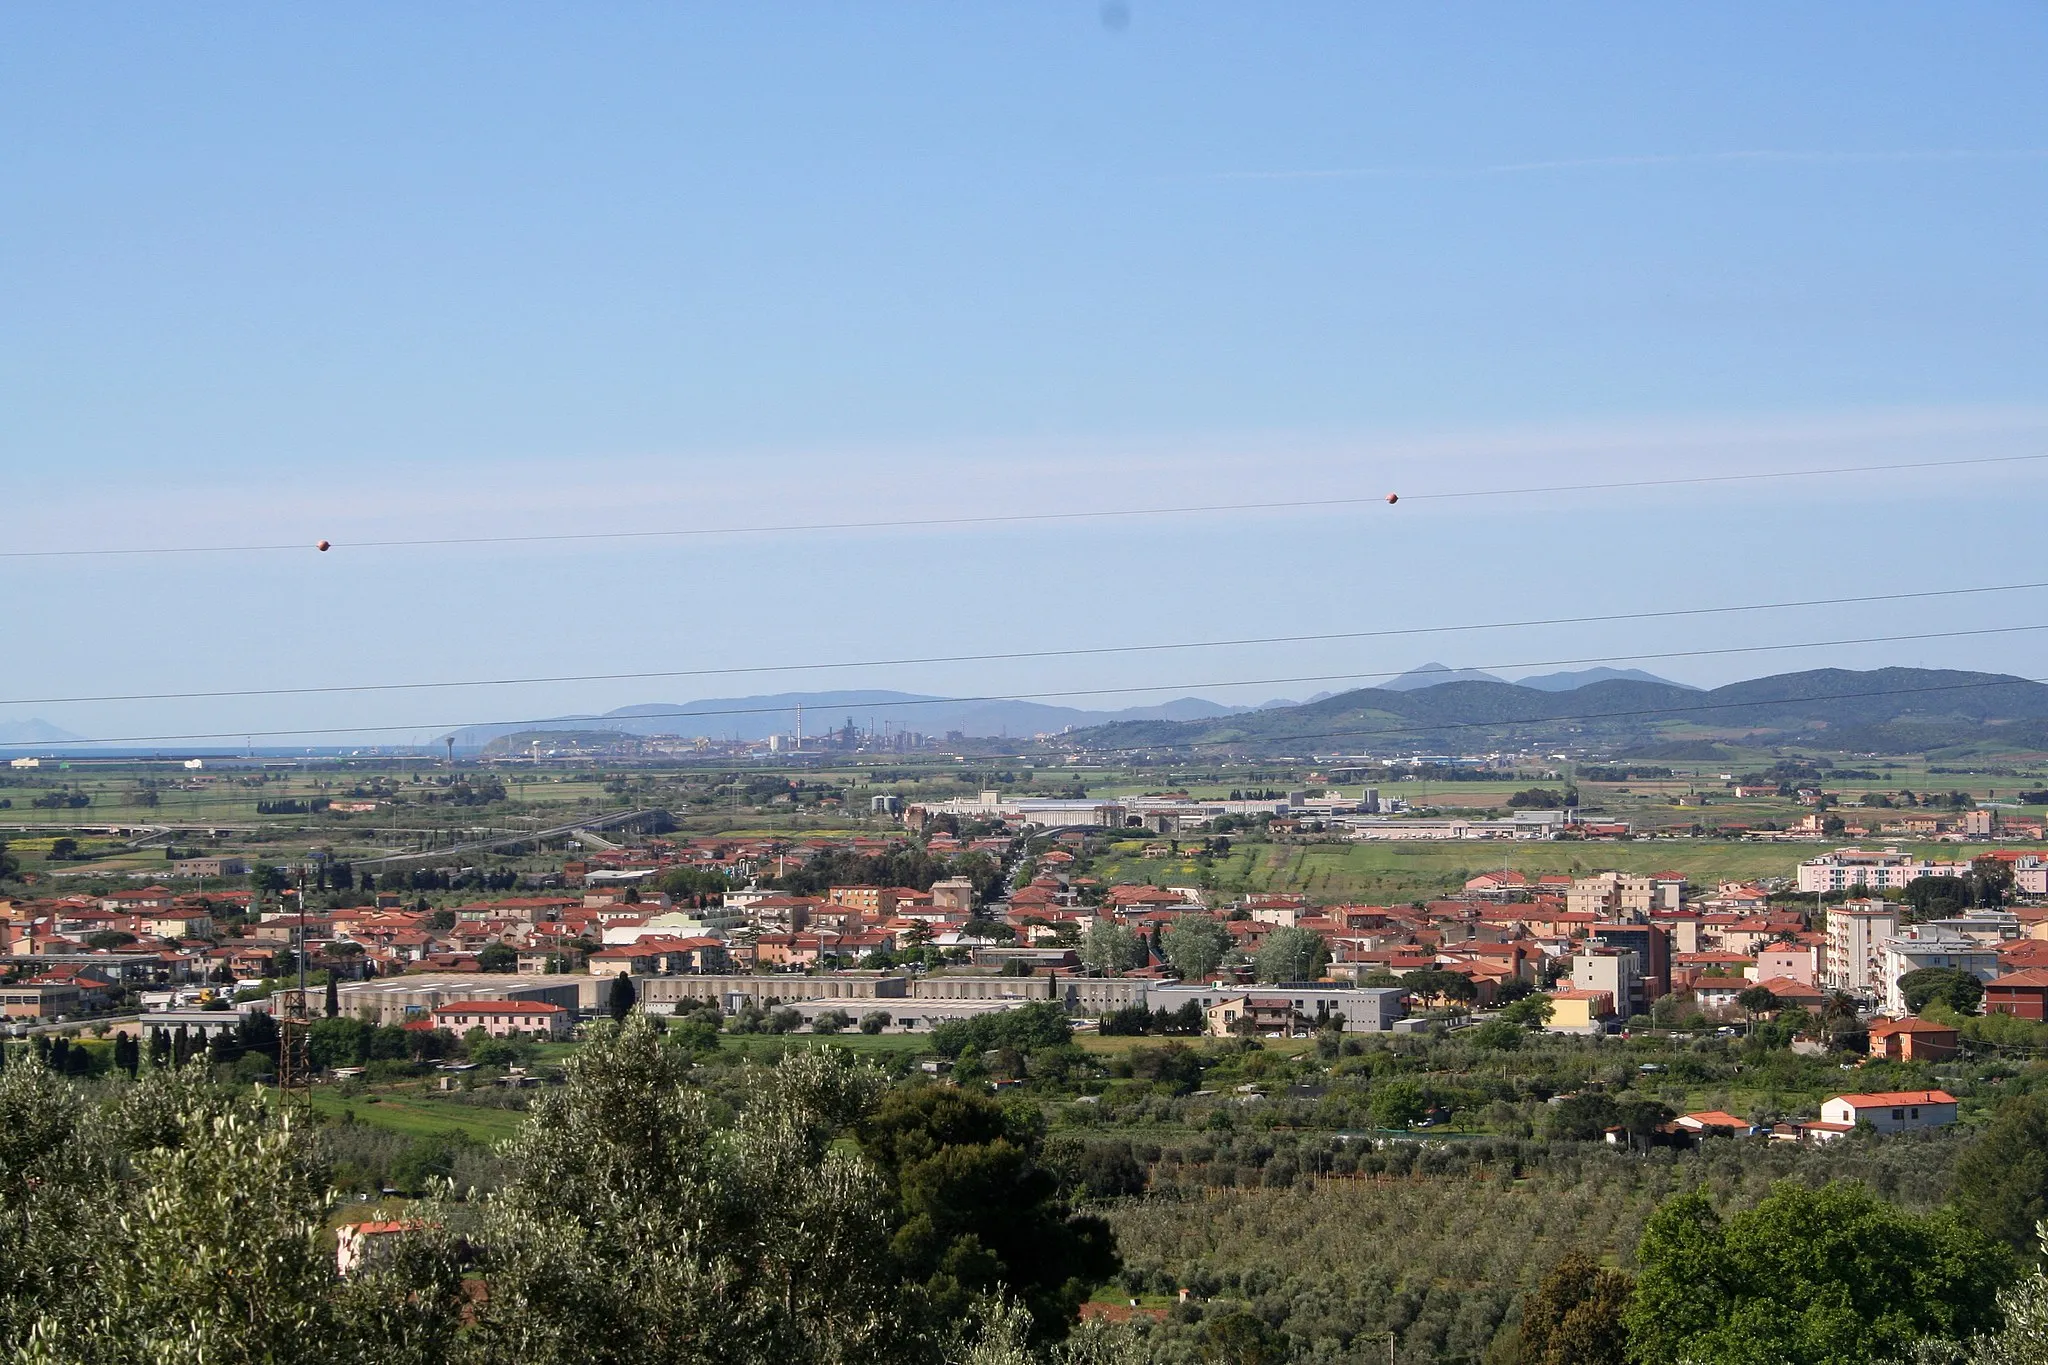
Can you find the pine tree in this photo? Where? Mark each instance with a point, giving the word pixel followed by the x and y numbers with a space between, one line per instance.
pixel 333 997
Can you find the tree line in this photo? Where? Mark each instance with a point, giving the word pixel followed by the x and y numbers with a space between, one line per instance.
pixel 824 1217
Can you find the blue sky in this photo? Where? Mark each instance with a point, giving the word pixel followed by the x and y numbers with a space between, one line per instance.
pixel 290 273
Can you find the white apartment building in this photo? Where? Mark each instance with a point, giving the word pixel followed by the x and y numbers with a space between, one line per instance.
pixel 1612 970
pixel 1857 932
pixel 1922 946
pixel 1848 868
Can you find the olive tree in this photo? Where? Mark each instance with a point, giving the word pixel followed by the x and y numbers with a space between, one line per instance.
pixel 1196 945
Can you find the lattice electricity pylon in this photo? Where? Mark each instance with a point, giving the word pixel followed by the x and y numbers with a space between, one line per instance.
pixel 294 1066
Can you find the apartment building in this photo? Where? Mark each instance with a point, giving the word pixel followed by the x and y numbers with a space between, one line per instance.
pixel 1848 868
pixel 1612 972
pixel 1857 932
pixel 1922 946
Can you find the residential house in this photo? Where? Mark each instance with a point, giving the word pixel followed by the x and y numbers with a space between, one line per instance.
pixel 1257 1014
pixel 503 1018
pixel 2022 993
pixel 1715 1123
pixel 1580 1011
pixel 1791 961
pixel 1912 1040
pixel 1892 1111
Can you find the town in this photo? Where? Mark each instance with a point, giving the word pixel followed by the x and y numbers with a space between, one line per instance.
pixel 1034 684
pixel 1088 957
pixel 762 933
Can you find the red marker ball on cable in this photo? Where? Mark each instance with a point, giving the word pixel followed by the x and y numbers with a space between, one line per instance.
pixel 1393 498
pixel 321 547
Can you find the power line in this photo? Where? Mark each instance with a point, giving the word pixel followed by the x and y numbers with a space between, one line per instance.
pixel 1084 651
pixel 1030 696
pixel 1018 518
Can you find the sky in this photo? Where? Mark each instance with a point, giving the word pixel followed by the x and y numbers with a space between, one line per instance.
pixel 273 275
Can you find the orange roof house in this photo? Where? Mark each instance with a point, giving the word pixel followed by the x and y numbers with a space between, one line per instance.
pixel 1909 1040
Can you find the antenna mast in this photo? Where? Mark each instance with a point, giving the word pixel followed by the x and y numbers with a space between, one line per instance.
pixel 294 1065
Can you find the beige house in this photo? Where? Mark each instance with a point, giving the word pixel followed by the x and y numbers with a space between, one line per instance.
pixel 45 1000
pixel 1580 1011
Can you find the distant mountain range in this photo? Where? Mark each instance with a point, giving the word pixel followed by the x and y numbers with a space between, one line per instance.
pixel 1436 675
pixel 758 717
pixel 1622 712
pixel 1887 710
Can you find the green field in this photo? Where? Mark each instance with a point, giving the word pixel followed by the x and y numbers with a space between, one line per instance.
pixel 1379 873
pixel 419 1115
pixel 765 1047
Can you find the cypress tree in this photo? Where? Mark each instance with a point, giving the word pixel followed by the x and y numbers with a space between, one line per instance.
pixel 622 996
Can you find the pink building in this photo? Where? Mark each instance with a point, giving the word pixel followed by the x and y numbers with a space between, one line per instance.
pixel 503 1018
pixel 1791 962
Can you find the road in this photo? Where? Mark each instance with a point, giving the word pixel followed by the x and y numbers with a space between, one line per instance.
pixel 574 827
pixel 75 1025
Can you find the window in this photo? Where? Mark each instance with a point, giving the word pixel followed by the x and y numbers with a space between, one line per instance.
pixel 1900 1113
pixel 1916 1112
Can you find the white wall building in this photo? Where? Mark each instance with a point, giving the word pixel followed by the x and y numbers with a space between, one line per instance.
pixel 1921 947
pixel 1847 868
pixel 1857 932
pixel 1612 970
pixel 1367 1009
pixel 1892 1112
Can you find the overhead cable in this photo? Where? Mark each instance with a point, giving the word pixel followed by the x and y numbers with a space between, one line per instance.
pixel 1006 656
pixel 910 702
pixel 322 545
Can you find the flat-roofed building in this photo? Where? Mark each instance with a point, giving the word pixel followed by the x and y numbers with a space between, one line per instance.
pixel 1857 932
pixel 40 1000
pixel 1364 1009
pixel 1919 948
pixel 661 994
pixel 1847 868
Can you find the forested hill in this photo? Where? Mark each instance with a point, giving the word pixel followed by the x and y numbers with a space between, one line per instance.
pixel 1886 710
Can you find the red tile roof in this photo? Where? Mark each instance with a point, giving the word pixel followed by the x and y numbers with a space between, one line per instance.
pixel 498 1007
pixel 1889 1099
